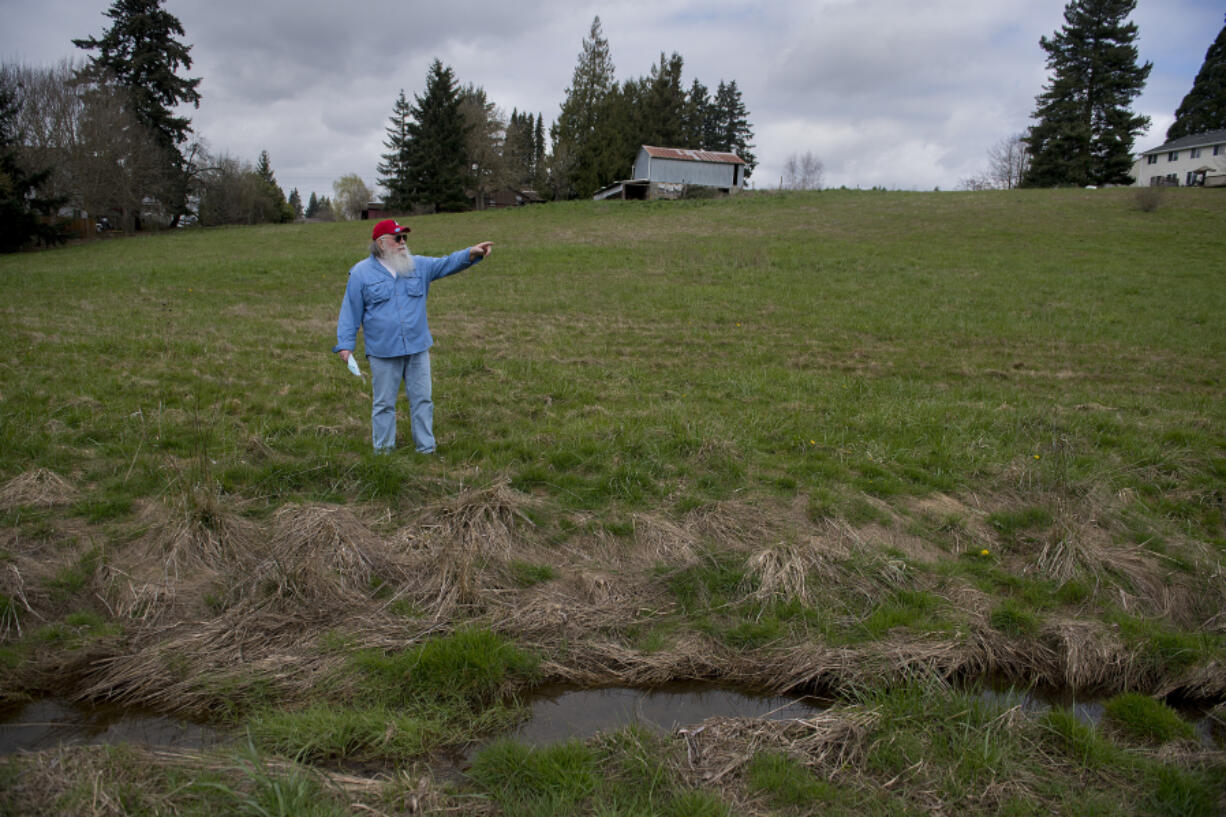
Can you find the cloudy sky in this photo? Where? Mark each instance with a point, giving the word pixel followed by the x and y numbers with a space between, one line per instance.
pixel 906 94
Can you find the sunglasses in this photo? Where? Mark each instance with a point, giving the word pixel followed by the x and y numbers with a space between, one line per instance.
pixel 399 239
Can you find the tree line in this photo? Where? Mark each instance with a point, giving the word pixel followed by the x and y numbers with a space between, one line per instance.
pixel 451 146
pixel 101 136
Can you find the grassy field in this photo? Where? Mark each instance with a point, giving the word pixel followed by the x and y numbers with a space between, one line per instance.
pixel 889 447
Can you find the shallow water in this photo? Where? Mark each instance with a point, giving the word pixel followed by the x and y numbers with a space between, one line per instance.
pixel 557 714
pixel 50 723
pixel 560 714
pixel 1210 731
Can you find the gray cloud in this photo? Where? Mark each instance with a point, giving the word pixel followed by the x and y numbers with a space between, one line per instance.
pixel 898 93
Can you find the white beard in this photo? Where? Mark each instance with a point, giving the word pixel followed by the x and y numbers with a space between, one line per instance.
pixel 399 261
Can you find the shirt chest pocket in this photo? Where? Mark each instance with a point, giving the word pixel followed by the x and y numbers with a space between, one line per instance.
pixel 414 285
pixel 377 292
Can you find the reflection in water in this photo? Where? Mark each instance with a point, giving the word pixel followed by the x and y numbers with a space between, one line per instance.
pixel 47 724
pixel 563 714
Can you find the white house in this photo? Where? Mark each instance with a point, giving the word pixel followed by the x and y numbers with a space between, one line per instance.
pixel 666 172
pixel 1187 161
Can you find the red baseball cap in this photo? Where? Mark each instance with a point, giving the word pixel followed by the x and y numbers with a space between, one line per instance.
pixel 387 226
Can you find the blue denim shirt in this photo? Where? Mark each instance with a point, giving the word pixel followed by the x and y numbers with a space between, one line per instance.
pixel 391 310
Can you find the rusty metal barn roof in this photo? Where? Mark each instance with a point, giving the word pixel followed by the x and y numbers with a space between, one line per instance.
pixel 685 154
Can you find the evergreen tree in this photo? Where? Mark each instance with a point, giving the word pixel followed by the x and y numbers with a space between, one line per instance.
pixel 520 149
pixel 312 208
pixel 540 157
pixel 23 213
pixel 663 106
pixel 1085 129
pixel 323 209
pixel 394 170
pixel 436 167
pixel 277 209
pixel 731 125
pixel 582 115
pixel 139 52
pixel 295 203
pixel 697 118
pixel 1204 108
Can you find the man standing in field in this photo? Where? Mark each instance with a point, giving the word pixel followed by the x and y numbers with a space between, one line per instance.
pixel 386 298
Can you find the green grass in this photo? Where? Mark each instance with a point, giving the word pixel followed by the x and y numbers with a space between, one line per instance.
pixel 526 574
pixel 787 783
pixel 1142 717
pixel 625 775
pixel 1044 367
pixel 906 321
pixel 1012 618
pixel 446 691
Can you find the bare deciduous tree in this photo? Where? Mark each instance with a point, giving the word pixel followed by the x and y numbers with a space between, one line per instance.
pixel 104 160
pixel 803 172
pixel 1008 161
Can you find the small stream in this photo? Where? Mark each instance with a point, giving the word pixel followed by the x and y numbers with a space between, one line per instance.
pixel 49 723
pixel 557 714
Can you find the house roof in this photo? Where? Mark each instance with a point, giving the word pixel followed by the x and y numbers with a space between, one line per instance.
pixel 1196 140
pixel 687 155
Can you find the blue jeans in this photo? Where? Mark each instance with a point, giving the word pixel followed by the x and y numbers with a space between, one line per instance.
pixel 386 375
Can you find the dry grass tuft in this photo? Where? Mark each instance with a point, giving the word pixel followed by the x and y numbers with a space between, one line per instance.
pixel 718 748
pixel 39 488
pixel 1132 574
pixel 187 550
pixel 1088 656
pixel 99 782
pixel 733 524
pixel 468 542
pixel 13 587
pixel 322 557
pixel 660 540
pixel 492 516
pixel 794 571
pixel 212 668
pixel 201 531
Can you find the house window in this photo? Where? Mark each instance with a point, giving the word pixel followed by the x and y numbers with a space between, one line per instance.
pixel 1219 149
pixel 1194 153
pixel 1172 179
pixel 1151 159
pixel 1190 179
pixel 1173 156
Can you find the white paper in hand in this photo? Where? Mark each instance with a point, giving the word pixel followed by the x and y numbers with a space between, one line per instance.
pixel 353 366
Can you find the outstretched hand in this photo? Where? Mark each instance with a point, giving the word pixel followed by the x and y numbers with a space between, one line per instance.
pixel 481 250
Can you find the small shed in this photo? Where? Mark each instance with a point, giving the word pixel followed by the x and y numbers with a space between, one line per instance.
pixel 666 172
pixel 704 168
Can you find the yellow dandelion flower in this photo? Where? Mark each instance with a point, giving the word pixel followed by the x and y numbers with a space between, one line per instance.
pixel 983 552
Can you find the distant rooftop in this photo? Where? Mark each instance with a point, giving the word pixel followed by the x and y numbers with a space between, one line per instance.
pixel 687 155
pixel 1196 140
